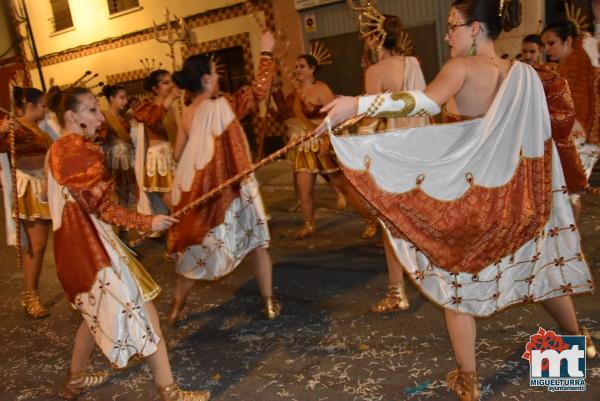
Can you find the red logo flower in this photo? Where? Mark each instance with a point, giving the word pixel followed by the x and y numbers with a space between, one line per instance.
pixel 542 341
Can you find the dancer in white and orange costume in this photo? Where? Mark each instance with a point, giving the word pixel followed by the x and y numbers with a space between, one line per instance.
pixel 100 277
pixel 31 145
pixel 211 240
pixel 116 136
pixel 565 47
pixel 155 133
pixel 475 234
pixel 393 71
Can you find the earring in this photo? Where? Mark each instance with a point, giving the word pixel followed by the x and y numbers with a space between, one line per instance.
pixel 473 49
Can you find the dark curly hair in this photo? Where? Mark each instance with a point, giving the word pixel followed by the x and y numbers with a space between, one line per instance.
pixel 190 76
pixel 62 101
pixel 311 61
pixel 22 96
pixel 152 80
pixel 486 12
pixel 564 29
pixel 109 91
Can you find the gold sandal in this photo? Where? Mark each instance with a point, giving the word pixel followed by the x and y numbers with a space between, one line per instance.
pixel 176 313
pixel 590 348
pixel 371 228
pixel 464 385
pixel 30 300
pixel 172 392
pixel 79 382
pixel 341 203
pixel 395 300
pixel 272 307
pixel 307 229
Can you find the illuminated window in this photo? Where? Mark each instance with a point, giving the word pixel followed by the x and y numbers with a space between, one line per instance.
pixel 117 6
pixel 62 15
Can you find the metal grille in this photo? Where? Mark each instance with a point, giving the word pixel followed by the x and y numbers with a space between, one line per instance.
pixel 62 15
pixel 134 88
pixel 116 6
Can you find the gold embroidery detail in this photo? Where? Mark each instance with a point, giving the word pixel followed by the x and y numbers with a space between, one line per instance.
pixel 373 107
pixel 367 161
pixel 409 102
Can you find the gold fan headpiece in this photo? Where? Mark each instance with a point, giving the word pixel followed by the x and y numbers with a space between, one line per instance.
pixel 370 20
pixel 405 44
pixel 18 79
pixel 575 16
pixel 320 53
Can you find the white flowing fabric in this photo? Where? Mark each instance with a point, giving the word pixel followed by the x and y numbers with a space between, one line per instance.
pixel 490 148
pixel 225 246
pixel 211 119
pixel 50 125
pixel 245 224
pixel 588 152
pixel 114 309
pixel 143 205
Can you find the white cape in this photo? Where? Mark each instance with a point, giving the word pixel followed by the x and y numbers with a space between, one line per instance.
pixel 490 149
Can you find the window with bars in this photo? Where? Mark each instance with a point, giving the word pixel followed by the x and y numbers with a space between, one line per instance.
pixel 61 15
pixel 117 6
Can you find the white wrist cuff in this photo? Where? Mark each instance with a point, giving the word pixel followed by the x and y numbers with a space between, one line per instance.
pixel 399 104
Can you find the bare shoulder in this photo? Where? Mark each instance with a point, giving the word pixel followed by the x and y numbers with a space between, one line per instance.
pixel 322 88
pixel 187 115
pixel 458 63
pixel 373 68
pixel 320 85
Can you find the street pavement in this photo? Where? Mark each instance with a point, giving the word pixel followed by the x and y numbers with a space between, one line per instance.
pixel 326 345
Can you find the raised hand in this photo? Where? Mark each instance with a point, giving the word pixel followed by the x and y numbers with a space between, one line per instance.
pixel 267 42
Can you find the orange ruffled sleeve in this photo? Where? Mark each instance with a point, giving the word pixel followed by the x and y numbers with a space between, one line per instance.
pixel 562 117
pixel 246 99
pixel 150 113
pixel 79 165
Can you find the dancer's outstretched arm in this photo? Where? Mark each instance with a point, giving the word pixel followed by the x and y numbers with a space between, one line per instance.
pixel 401 104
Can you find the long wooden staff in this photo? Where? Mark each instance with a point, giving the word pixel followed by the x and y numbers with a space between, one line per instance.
pixel 239 177
pixel 13 174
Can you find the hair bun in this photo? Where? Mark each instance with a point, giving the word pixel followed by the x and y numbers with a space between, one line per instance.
pixel 17 95
pixel 180 79
pixel 512 15
pixel 107 90
pixel 190 75
pixel 53 99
